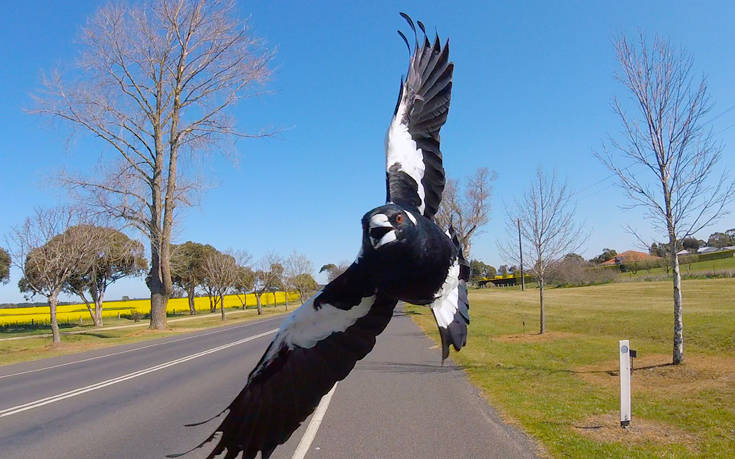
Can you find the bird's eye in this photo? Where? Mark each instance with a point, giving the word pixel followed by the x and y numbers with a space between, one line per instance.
pixel 399 219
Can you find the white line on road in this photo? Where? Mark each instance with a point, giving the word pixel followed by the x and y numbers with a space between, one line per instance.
pixel 313 427
pixel 132 350
pixel 135 374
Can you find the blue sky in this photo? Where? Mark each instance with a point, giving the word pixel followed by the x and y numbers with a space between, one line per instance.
pixel 532 86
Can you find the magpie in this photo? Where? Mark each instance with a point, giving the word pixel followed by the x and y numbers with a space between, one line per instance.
pixel 404 256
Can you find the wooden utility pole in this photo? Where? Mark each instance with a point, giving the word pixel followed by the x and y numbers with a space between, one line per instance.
pixel 520 251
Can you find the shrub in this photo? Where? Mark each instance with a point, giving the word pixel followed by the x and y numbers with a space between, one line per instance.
pixel 571 272
pixel 716 255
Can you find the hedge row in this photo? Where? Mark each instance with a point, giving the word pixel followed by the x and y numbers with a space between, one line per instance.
pixel 715 255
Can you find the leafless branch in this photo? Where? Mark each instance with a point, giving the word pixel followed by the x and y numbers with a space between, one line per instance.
pixel 674 157
pixel 467 212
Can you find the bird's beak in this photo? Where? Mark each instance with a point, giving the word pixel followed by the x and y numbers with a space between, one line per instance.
pixel 381 231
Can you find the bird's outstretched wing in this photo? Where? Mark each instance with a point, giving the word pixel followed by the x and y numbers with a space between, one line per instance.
pixel 414 171
pixel 317 345
pixel 452 308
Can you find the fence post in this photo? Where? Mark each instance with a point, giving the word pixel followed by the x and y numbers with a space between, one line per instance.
pixel 624 346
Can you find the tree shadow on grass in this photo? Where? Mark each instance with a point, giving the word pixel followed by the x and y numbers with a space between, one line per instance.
pixel 96 335
pixel 532 368
pixel 499 366
pixel 19 328
pixel 399 368
pixel 647 367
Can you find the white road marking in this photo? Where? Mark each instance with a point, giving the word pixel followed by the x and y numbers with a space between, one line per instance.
pixel 313 427
pixel 130 350
pixel 135 374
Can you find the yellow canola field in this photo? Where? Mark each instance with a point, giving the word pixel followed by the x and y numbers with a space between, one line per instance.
pixel 74 312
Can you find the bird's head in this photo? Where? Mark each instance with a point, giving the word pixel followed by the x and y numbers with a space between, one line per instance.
pixel 387 225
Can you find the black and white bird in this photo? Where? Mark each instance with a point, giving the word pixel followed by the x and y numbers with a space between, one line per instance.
pixel 405 256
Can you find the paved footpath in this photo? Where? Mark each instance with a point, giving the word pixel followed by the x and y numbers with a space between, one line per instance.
pixel 133 401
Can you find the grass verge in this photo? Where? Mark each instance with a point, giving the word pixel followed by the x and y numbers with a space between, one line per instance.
pixel 722 267
pixel 91 338
pixel 562 387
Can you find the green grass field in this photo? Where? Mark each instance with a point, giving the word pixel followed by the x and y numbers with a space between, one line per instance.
pixel 698 269
pixel 562 387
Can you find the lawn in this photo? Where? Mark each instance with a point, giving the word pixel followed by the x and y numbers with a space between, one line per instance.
pixel 713 268
pixel 95 338
pixel 562 387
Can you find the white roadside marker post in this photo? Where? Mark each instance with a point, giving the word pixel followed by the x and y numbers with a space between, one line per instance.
pixel 624 346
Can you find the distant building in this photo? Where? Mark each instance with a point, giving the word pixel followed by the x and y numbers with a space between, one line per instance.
pixel 707 249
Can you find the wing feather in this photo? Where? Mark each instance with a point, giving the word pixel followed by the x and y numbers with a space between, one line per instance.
pixel 414 170
pixel 317 345
pixel 452 308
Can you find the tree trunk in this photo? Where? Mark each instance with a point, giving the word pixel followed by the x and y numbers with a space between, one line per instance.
pixel 52 300
pixel 285 298
pixel 97 298
pixel 89 307
pixel 678 320
pixel 159 300
pixel 98 310
pixel 212 303
pixel 222 306
pixel 542 322
pixel 192 308
pixel 260 306
pixel 159 296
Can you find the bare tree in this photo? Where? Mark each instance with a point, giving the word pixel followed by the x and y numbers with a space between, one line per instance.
pixel 154 82
pixel 221 273
pixel 244 283
pixel 244 277
pixel 276 274
pixel 267 277
pixel 548 229
pixel 670 158
pixel 115 256
pixel 48 254
pixel 209 283
pixel 467 212
pixel 297 276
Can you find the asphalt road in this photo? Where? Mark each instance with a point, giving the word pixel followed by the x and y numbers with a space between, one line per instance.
pixel 133 401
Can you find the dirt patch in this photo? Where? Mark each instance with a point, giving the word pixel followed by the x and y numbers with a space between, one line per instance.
pixel 534 337
pixel 656 373
pixel 606 428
